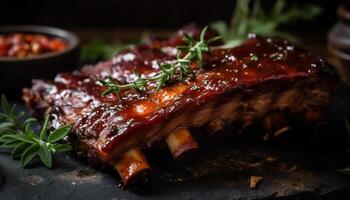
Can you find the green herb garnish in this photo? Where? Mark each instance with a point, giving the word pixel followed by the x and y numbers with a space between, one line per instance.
pixel 255 19
pixel 9 117
pixel 23 141
pixel 195 87
pixel 254 58
pixel 99 49
pixel 181 66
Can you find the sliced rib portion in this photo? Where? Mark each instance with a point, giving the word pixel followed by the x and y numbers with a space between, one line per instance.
pixel 261 79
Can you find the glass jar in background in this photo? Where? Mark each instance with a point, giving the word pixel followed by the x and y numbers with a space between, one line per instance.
pixel 339 42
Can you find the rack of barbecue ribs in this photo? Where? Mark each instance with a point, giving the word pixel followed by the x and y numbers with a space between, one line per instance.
pixel 263 80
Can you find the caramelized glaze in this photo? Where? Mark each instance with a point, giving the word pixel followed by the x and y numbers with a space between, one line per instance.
pixel 106 122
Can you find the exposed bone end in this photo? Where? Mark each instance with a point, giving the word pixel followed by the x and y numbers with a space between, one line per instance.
pixel 315 118
pixel 132 166
pixel 181 142
pixel 275 125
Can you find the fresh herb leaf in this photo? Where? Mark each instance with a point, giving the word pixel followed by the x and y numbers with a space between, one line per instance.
pixel 19 149
pixel 181 66
pixel 5 106
pixel 9 144
pixel 45 155
pixel 99 49
pixel 18 137
pixel 195 87
pixel 29 154
pixel 61 147
pixel 44 128
pixel 345 171
pixel 59 134
pixel 24 142
pixel 250 17
pixel 4 126
pixel 254 58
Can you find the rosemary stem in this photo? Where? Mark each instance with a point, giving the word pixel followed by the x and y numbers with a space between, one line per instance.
pixel 180 66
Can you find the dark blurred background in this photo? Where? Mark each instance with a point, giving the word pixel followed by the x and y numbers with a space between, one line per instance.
pixel 136 13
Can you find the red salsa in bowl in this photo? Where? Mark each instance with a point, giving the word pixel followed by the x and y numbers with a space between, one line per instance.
pixel 22 45
pixel 34 52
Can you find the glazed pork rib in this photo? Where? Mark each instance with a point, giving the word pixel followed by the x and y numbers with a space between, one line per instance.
pixel 267 80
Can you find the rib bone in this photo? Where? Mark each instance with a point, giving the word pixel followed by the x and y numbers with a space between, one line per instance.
pixel 132 166
pixel 180 142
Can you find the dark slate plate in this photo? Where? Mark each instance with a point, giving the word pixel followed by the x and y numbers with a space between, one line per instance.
pixel 297 169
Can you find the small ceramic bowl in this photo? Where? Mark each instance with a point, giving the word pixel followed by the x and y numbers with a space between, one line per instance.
pixel 17 73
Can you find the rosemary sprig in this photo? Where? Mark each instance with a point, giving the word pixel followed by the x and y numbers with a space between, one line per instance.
pixel 249 16
pixel 181 66
pixel 23 141
pixel 9 117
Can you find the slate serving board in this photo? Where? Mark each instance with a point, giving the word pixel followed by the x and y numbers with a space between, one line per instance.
pixel 291 169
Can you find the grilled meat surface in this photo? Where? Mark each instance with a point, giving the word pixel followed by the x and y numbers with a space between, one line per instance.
pixel 239 85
